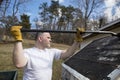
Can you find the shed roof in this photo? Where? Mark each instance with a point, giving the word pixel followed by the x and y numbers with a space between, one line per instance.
pixel 100 57
pixel 111 25
pixel 97 59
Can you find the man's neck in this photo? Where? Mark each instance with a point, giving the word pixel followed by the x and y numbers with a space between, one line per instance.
pixel 39 46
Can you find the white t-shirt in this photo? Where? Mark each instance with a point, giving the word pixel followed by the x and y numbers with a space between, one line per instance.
pixel 39 65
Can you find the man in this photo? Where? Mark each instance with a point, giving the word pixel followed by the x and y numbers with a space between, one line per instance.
pixel 37 61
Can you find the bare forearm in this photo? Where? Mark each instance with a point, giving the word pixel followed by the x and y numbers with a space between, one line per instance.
pixel 70 51
pixel 18 56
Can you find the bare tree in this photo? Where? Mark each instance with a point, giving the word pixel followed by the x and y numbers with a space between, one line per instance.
pixel 4 7
pixel 11 8
pixel 8 11
pixel 88 8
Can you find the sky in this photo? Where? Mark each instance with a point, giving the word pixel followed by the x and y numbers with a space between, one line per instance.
pixel 32 8
pixel 112 11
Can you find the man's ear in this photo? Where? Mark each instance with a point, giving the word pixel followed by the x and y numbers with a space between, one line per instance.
pixel 40 39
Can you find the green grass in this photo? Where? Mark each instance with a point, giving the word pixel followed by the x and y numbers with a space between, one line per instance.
pixel 6 63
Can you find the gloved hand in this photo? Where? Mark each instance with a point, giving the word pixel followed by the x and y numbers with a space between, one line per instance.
pixel 78 37
pixel 15 30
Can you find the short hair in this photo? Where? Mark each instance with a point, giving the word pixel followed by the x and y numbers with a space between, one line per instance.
pixel 38 34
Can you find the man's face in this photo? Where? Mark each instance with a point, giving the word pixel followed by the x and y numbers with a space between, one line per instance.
pixel 46 39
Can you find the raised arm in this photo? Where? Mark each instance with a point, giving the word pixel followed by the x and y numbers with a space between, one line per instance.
pixel 70 51
pixel 19 59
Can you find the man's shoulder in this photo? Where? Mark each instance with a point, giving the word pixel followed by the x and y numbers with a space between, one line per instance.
pixel 53 49
pixel 28 49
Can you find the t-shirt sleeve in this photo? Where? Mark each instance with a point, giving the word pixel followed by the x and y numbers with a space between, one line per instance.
pixel 57 54
pixel 26 53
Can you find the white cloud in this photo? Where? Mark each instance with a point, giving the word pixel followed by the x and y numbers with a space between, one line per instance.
pixel 28 13
pixel 111 4
pixel 39 23
pixel 60 1
pixel 108 12
pixel 59 11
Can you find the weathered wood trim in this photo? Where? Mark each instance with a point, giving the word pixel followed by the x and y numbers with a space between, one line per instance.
pixel 74 73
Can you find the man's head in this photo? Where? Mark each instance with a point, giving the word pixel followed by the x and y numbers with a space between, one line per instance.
pixel 44 39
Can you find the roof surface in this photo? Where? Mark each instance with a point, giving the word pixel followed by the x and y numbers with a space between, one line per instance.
pixel 97 59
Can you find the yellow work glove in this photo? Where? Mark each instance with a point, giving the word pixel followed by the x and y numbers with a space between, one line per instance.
pixel 15 30
pixel 78 37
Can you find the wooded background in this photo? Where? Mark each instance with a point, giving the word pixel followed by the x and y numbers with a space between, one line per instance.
pixel 88 14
